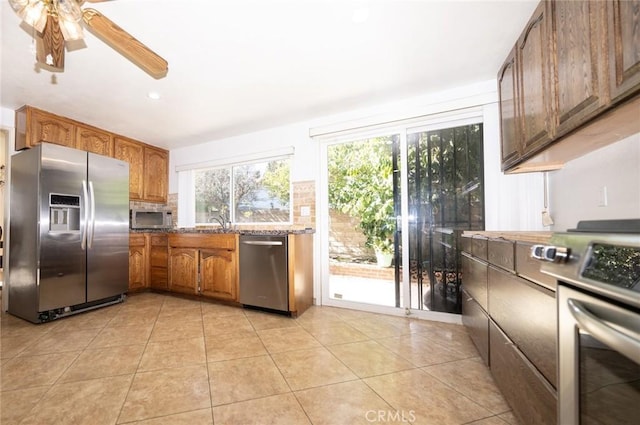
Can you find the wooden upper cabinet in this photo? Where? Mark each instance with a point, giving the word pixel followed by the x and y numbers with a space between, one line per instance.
pixel 148 165
pixel 93 140
pixel 218 272
pixel 624 47
pixel 156 174
pixel 34 126
pixel 509 123
pixel 579 62
pixel 535 86
pixel 133 153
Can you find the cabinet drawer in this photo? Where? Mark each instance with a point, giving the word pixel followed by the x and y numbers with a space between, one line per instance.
pixel 532 398
pixel 204 241
pixel 474 279
pixel 526 312
pixel 159 240
pixel 479 247
pixel 477 323
pixel 136 239
pixel 158 257
pixel 501 254
pixel 465 244
pixel 529 268
pixel 159 278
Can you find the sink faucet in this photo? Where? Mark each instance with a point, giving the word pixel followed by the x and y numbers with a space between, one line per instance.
pixel 223 220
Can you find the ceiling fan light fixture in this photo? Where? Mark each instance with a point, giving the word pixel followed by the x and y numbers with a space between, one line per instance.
pixel 71 30
pixel 68 10
pixel 18 5
pixel 35 14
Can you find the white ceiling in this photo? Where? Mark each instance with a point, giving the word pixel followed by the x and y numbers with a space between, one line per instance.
pixel 237 66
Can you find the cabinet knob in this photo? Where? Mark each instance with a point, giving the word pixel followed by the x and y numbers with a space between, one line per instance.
pixel 553 254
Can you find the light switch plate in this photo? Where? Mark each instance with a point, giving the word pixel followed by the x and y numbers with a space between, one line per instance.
pixel 305 211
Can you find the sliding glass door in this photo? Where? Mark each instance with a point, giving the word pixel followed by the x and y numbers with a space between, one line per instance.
pixel 363 200
pixel 396 207
pixel 445 196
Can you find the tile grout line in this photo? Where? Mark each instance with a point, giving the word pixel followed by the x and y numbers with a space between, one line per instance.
pixel 135 373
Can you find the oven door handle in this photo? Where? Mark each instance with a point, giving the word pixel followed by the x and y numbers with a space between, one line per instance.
pixel 615 338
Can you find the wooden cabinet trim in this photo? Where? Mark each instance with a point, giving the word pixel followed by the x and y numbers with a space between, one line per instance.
pixel 203 240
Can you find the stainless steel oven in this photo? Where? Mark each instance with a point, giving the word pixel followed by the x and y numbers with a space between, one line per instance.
pixel 597 266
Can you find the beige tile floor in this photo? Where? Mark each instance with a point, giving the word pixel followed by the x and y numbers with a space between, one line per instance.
pixel 159 359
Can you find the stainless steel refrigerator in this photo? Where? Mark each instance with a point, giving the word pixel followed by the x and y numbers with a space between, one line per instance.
pixel 69 232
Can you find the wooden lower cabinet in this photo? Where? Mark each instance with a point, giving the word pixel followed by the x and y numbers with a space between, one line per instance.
pixel 147 261
pixel 527 313
pixel 218 273
pixel 531 397
pixel 158 257
pixel 183 270
pixel 476 321
pixel 204 264
pixel 137 262
pixel 515 331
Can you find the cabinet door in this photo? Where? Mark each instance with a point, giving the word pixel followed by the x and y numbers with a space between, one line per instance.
pixel 132 152
pixel 579 62
pixel 93 140
pixel 183 270
pixel 534 87
pixel 624 47
pixel 50 128
pixel 137 268
pixel 156 169
pixel 509 124
pixel 138 264
pixel 218 273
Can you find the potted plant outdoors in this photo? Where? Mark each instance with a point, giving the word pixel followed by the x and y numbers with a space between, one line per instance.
pixel 378 227
pixel 383 248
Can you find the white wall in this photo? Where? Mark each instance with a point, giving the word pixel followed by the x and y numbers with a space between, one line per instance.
pixel 513 202
pixel 576 191
pixel 7 117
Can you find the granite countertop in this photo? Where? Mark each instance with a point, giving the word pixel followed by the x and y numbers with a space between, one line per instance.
pixel 513 235
pixel 217 230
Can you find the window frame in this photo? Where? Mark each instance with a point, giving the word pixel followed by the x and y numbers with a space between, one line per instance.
pixel 187 204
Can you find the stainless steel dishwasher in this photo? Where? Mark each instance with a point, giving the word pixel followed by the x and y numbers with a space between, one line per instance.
pixel 263 272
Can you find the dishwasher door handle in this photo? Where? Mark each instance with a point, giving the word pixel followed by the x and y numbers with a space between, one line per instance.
pixel 263 243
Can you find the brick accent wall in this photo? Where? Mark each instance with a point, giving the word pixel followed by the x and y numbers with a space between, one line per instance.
pixel 304 195
pixel 370 271
pixel 346 240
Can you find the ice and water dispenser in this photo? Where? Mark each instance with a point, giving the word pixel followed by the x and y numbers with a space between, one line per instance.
pixel 64 213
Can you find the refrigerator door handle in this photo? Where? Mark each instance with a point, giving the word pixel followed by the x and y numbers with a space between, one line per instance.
pixel 92 218
pixel 83 242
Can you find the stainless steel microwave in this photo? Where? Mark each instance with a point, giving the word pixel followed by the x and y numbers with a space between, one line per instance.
pixel 150 218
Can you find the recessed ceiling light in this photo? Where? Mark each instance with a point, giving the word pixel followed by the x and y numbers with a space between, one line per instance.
pixel 153 95
pixel 360 15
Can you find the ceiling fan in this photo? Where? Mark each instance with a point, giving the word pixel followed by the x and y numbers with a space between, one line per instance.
pixel 59 21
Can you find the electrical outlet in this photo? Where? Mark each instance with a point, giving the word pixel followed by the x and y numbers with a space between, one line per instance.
pixel 305 211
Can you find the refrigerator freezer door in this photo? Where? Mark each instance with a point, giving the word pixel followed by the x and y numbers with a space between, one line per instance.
pixel 108 230
pixel 62 259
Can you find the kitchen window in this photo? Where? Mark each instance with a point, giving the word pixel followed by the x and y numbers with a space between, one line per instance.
pixel 257 192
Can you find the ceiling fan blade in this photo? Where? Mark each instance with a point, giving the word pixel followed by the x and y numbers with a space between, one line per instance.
pixel 50 45
pixel 125 43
